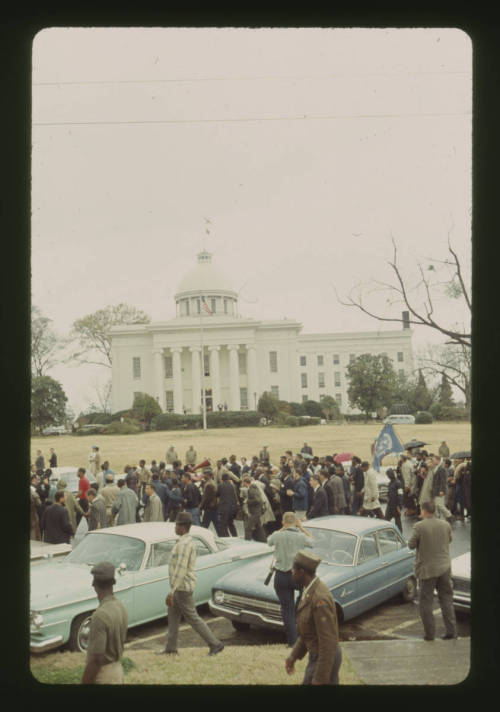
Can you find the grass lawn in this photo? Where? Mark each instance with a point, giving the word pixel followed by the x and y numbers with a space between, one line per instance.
pixel 120 450
pixel 236 665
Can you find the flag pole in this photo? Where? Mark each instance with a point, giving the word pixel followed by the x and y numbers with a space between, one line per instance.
pixel 203 400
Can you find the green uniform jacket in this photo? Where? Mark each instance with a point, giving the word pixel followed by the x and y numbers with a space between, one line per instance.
pixel 318 630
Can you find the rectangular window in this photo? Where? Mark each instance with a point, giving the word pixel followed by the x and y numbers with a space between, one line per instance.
pixel 336 359
pixel 242 362
pixel 244 398
pixel 212 304
pixel 305 398
pixel 352 357
pixel 273 361
pixel 337 378
pixel 169 401
pixel 303 380
pixel 136 366
pixel 206 364
pixel 320 360
pixel 169 369
pixel 338 399
pixel 400 356
pixel 275 391
pixel 321 380
pixel 303 360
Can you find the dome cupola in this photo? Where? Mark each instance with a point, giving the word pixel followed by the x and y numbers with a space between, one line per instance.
pixel 207 281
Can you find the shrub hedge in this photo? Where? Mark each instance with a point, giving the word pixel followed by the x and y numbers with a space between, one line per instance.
pixel 223 419
pixel 423 417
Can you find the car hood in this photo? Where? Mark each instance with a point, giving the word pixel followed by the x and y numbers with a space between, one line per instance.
pixel 243 547
pixel 54 584
pixel 248 580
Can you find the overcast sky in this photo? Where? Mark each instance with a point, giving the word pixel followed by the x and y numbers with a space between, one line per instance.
pixel 307 149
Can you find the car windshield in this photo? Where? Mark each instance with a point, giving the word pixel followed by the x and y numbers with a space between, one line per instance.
pixel 334 547
pixel 108 547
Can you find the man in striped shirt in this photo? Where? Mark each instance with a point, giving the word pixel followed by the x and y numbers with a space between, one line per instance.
pixel 182 580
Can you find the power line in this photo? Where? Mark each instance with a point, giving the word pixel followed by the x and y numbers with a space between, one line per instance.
pixel 241 120
pixel 243 79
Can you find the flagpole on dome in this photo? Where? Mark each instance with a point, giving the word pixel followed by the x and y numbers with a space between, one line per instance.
pixel 202 359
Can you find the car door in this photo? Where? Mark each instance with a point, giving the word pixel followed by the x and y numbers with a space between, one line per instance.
pixel 399 559
pixel 151 583
pixel 371 574
pixel 210 565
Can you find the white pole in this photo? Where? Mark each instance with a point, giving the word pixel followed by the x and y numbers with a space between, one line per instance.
pixel 203 403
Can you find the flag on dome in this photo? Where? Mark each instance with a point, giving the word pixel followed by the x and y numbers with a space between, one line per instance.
pixel 205 306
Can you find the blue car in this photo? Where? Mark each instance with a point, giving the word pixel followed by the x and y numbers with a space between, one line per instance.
pixel 62 597
pixel 363 562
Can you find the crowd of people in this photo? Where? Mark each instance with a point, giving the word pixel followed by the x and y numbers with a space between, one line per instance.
pixel 256 490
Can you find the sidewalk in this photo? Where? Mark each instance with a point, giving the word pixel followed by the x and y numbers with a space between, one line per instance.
pixel 410 662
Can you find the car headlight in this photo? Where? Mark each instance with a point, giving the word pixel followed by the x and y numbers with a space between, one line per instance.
pixel 219 596
pixel 36 620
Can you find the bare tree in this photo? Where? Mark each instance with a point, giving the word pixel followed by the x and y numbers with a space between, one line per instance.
pixel 44 343
pixel 452 361
pixel 422 309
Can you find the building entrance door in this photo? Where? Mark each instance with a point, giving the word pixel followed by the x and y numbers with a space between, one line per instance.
pixel 208 400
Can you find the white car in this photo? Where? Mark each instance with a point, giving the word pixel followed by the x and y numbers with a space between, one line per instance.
pixel 400 419
pixel 460 575
pixel 55 430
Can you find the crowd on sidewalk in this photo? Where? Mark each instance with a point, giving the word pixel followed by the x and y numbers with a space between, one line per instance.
pixel 256 490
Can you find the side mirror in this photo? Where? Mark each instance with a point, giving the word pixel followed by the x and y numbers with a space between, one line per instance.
pixel 122 568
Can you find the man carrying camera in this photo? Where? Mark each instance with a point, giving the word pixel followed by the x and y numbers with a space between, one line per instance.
pixel 290 539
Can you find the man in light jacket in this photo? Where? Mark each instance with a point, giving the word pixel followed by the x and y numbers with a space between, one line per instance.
pixel 125 504
pixel 371 502
pixel 153 511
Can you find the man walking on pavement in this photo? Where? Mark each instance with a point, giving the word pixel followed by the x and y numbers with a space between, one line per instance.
pixel 317 625
pixel 431 538
pixel 287 542
pixel 182 579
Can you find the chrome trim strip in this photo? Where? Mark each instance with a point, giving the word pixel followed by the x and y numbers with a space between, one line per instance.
pixel 49 643
pixel 237 614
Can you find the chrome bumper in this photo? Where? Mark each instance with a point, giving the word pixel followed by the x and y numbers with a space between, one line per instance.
pixel 46 644
pixel 245 616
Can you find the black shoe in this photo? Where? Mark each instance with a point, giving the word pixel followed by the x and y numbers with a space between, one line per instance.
pixel 427 638
pixel 449 636
pixel 217 649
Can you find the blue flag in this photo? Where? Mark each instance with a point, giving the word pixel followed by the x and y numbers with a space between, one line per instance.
pixel 387 444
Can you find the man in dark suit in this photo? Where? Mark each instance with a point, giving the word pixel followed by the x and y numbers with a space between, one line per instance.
pixel 319 506
pixel 431 538
pixel 56 526
pixel 228 506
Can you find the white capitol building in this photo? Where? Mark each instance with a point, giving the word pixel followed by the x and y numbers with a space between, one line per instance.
pixel 241 357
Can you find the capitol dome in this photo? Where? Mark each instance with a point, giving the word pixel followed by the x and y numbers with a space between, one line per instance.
pixel 207 281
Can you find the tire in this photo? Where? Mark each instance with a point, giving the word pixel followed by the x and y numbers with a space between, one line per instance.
pixel 409 592
pixel 238 625
pixel 78 638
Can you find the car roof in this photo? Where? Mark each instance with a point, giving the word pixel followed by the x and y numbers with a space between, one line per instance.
pixel 356 525
pixel 151 532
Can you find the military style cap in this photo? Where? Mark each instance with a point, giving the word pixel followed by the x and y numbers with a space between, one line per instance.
pixel 184 518
pixel 103 572
pixel 307 561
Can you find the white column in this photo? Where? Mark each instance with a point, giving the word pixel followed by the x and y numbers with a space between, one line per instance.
pixel 234 377
pixel 215 375
pixel 253 394
pixel 177 374
pixel 196 378
pixel 159 377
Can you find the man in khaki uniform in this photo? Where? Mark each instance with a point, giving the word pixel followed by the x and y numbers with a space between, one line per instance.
pixel 107 631
pixel 431 538
pixel 109 493
pixel 317 625
pixel 190 456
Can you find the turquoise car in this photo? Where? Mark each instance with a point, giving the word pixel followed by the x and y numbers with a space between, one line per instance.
pixel 62 597
pixel 363 562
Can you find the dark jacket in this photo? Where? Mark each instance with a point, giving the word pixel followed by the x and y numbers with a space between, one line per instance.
pixel 56 526
pixel 162 492
pixel 53 460
pixel 335 489
pixel 192 496
pixel 226 492
pixel 358 478
pixel 286 501
pixel 395 494
pixel 439 481
pixel 319 506
pixel 300 494
pixel 209 497
pixel 254 500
